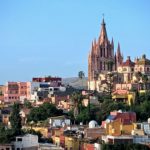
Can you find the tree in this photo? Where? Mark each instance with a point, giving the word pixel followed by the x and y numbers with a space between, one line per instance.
pixel 27 104
pixel 83 116
pixel 81 75
pixel 3 135
pixel 110 82
pixel 144 80
pixel 15 119
pixel 43 112
pixel 77 98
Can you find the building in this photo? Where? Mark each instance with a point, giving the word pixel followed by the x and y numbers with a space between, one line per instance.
pixel 6 147
pixel 119 123
pixel 127 70
pixel 30 142
pixel 59 121
pixel 52 80
pixel 2 89
pixel 16 91
pixel 124 96
pixel 124 139
pixel 27 141
pixel 132 71
pixel 43 87
pixel 48 146
pixel 102 59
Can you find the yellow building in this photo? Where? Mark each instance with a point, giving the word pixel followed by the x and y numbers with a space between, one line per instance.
pixel 43 130
pixel 56 133
pixel 124 96
pixel 116 128
pixel 71 143
pixel 56 140
pixel 138 129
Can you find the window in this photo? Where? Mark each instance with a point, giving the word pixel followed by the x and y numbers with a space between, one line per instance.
pixel 55 89
pixel 132 69
pixel 138 126
pixel 19 139
pixel 124 69
pixel 7 148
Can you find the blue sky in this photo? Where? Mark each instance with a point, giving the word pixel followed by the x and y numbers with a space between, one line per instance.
pixel 53 37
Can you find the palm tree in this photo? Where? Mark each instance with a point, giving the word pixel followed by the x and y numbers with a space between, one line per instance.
pixel 144 80
pixel 81 75
pixel 77 98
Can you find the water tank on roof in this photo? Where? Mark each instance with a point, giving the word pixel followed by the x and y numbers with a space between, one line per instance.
pixel 93 124
pixel 120 111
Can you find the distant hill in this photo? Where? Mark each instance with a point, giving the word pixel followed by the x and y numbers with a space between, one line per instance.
pixel 75 82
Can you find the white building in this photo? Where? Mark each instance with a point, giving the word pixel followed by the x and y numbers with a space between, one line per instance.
pixel 43 87
pixel 27 141
pixel 59 121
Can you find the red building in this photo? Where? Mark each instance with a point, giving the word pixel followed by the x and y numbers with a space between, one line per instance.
pixel 48 79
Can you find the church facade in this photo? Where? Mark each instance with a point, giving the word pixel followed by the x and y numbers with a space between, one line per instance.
pixel 102 58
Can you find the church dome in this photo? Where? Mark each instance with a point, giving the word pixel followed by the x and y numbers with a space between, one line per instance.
pixel 93 124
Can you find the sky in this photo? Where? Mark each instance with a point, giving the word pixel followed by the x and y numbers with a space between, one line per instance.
pixel 53 37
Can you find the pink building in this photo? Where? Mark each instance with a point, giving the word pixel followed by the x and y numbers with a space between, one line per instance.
pixel 17 91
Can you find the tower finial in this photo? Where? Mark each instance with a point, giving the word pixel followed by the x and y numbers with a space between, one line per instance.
pixel 103 15
pixel 103 22
pixel 103 33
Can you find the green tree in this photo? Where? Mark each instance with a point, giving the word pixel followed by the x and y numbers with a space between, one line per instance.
pixel 144 80
pixel 81 75
pixel 43 112
pixel 77 98
pixel 27 104
pixel 15 119
pixel 3 134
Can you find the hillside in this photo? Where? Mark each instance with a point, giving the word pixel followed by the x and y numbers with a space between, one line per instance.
pixel 75 82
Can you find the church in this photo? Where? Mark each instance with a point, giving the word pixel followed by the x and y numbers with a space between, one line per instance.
pixel 103 59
